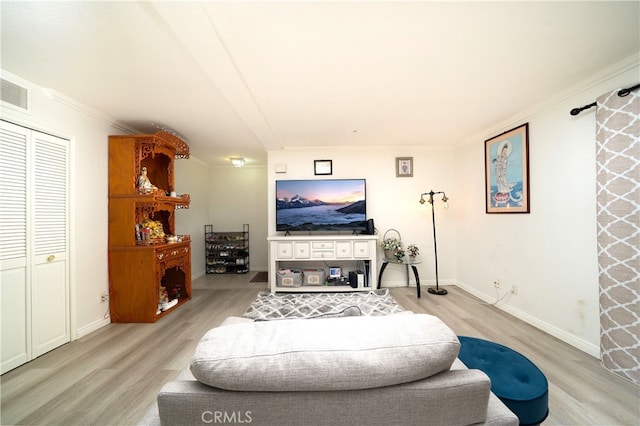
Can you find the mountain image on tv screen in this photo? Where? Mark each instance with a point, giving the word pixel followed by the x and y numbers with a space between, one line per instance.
pixel 321 205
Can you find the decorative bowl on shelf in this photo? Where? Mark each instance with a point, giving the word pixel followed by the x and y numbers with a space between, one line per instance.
pixel 171 239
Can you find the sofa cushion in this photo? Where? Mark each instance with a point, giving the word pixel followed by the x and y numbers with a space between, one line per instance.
pixel 332 354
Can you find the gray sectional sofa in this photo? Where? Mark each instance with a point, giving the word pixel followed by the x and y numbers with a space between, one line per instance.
pixel 399 369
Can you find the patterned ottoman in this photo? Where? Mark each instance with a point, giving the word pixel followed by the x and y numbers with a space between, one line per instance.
pixel 519 384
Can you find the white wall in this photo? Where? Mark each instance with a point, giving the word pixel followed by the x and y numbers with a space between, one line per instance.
pixel 238 195
pixel 392 202
pixel 88 131
pixel 550 254
pixel 192 177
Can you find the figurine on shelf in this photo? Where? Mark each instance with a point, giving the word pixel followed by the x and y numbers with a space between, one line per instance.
pixel 163 299
pixel 144 184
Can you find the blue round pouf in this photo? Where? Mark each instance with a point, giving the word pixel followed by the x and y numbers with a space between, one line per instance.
pixel 519 384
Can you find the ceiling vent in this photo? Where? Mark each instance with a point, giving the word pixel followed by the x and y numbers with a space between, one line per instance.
pixel 14 94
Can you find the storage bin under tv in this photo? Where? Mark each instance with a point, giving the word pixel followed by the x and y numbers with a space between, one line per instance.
pixel 349 252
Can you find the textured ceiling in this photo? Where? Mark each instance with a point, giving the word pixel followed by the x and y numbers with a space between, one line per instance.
pixel 240 78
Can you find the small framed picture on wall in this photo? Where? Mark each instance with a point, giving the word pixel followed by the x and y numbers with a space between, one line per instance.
pixel 404 166
pixel 322 167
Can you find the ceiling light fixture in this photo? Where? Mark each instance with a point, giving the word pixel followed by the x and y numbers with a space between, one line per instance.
pixel 237 161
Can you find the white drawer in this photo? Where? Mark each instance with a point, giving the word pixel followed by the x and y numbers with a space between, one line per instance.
pixel 285 250
pixel 361 249
pixel 301 250
pixel 323 254
pixel 322 245
pixel 344 250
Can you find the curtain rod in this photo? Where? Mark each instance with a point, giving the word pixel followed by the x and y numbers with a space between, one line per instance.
pixel 621 93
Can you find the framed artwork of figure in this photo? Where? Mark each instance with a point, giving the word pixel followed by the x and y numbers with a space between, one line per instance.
pixel 506 171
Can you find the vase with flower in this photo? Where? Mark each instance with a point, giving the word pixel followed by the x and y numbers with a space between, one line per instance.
pixel 399 254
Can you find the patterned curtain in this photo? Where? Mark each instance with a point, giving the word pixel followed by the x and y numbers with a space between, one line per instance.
pixel 618 211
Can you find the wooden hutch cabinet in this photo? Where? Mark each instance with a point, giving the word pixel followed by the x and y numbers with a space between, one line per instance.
pixel 149 266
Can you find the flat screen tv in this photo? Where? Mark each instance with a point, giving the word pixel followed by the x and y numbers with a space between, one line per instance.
pixel 321 205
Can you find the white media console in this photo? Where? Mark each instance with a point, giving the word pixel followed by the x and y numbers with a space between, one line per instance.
pixel 349 252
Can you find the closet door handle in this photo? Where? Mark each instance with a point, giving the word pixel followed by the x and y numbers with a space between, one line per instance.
pixel 51 258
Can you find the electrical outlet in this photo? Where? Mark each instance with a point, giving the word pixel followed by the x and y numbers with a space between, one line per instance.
pixel 104 297
pixel 496 283
pixel 514 290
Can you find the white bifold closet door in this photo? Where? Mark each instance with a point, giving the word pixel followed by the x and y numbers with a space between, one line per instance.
pixel 34 244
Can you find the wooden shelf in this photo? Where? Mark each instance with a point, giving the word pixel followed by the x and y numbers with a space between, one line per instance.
pixel 139 269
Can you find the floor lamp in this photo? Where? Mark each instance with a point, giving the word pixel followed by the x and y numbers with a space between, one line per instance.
pixel 437 290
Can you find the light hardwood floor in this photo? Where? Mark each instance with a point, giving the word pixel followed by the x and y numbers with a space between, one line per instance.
pixel 111 376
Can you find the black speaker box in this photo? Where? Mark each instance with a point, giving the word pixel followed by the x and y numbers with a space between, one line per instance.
pixel 369 229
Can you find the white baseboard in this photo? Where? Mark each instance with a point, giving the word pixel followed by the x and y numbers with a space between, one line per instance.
pixel 391 284
pixel 90 328
pixel 568 338
pixel 423 283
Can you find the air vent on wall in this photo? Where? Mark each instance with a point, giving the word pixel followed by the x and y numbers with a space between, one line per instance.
pixel 14 94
